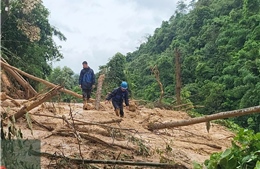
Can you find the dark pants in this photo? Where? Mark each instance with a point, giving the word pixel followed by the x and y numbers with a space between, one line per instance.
pixel 118 105
pixel 86 93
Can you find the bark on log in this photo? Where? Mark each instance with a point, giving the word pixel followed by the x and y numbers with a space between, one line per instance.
pixel 28 88
pixel 99 91
pixel 41 80
pixel 29 106
pixel 111 162
pixel 6 97
pixel 221 115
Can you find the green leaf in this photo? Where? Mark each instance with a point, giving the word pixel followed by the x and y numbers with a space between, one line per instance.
pixel 257 165
pixel 226 153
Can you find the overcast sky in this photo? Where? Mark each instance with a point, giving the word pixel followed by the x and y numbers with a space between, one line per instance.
pixel 97 29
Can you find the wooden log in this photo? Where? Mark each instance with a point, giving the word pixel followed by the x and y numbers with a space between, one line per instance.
pixel 28 88
pixel 221 115
pixel 6 97
pixel 99 91
pixel 110 162
pixel 29 106
pixel 41 80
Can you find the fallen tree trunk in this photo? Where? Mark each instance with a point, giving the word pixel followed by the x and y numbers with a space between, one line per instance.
pixel 111 162
pixel 41 80
pixel 29 106
pixel 222 115
pixel 4 97
pixel 28 88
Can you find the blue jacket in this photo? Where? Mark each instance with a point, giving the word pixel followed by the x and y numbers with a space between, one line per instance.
pixel 86 78
pixel 118 95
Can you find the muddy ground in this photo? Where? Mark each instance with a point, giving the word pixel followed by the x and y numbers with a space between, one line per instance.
pixel 128 140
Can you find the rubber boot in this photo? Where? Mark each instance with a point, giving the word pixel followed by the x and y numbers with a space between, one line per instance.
pixel 121 114
pixel 85 102
pixel 117 112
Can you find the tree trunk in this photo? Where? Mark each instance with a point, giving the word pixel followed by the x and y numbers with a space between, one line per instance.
pixel 99 90
pixel 221 115
pixel 40 99
pixel 178 76
pixel 30 92
pixel 157 76
pixel 41 80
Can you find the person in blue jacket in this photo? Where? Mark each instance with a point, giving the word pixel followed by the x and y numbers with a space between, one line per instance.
pixel 119 95
pixel 86 81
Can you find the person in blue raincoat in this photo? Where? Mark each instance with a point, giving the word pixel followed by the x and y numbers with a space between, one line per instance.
pixel 119 95
pixel 86 81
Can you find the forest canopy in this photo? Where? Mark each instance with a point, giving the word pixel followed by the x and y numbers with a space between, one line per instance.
pixel 220 58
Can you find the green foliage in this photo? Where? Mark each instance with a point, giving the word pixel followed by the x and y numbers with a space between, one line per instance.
pixel 114 73
pixel 27 37
pixel 220 58
pixel 67 78
pixel 244 153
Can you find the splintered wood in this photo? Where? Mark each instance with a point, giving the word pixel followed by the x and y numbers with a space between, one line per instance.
pixel 99 90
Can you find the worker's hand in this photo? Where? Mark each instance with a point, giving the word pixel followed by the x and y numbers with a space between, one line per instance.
pixel 93 86
pixel 127 107
pixel 106 102
pixel 79 86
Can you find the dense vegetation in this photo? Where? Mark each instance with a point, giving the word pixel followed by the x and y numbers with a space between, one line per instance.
pixel 27 37
pixel 244 153
pixel 219 42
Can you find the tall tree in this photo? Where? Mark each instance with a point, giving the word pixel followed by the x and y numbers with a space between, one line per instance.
pixel 27 36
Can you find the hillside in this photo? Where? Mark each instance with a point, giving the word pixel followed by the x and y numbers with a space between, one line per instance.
pixel 220 59
pixel 128 140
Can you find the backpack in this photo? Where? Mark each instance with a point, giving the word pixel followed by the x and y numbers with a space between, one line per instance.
pixel 87 77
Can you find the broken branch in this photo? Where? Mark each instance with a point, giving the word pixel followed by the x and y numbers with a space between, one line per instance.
pixel 113 162
pixel 40 80
pixel 29 106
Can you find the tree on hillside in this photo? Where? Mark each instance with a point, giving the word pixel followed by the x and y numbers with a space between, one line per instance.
pixel 65 77
pixel 115 70
pixel 219 42
pixel 27 36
